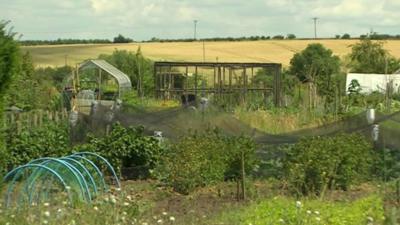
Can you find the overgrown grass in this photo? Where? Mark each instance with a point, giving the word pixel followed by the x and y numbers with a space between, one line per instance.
pixel 148 103
pixel 281 121
pixel 286 210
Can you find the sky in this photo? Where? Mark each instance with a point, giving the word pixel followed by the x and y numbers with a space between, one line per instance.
pixel 144 19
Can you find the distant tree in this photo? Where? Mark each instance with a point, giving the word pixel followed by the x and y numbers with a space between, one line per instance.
pixel 370 57
pixel 122 39
pixel 291 36
pixel 316 66
pixel 346 36
pixel 136 66
pixel 278 37
pixel 337 36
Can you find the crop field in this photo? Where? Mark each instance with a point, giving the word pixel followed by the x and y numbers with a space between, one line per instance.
pixel 280 51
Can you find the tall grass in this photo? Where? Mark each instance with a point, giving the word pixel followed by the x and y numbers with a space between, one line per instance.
pixel 281 121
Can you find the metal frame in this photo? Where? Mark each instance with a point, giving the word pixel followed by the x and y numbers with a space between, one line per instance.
pixel 164 78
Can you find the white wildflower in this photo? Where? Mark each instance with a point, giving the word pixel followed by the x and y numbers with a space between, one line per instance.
pixel 281 220
pixel 59 210
pixel 113 200
pixel 124 213
pixel 316 212
pixel 159 221
pixel 46 204
pixel 12 216
pixel 298 204
pixel 126 203
pixel 64 202
pixel 45 222
pixel 308 212
pixel 171 218
pixel 165 213
pixel 144 223
pixel 123 218
pixel 317 219
pixel 68 187
pixel 370 219
pixel 47 213
pixel 95 208
pixel 118 189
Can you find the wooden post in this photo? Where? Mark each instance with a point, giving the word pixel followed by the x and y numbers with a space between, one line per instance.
pixel 40 119
pixel 215 74
pixel 99 96
pixel 186 85
pixel 195 82
pixel 243 172
pixel 155 81
pixel 244 84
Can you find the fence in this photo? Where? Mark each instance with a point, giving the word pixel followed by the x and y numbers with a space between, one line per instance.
pixel 31 119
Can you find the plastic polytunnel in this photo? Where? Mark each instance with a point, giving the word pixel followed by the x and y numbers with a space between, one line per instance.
pixel 80 177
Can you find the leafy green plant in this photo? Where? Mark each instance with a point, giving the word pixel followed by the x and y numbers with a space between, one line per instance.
pixel 50 139
pixel 318 163
pixel 201 159
pixel 125 147
pixel 284 210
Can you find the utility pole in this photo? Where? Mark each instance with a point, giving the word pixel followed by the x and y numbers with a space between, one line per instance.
pixel 195 29
pixel 315 27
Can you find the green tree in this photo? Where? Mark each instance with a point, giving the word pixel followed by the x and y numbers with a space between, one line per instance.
pixel 133 64
pixel 291 36
pixel 122 39
pixel 346 36
pixel 9 63
pixel 370 57
pixel 316 66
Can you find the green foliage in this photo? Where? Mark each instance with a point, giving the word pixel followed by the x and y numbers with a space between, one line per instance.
pixel 9 57
pixel 345 36
pixel 316 64
pixel 9 63
pixel 283 210
pixel 291 36
pixel 370 57
pixel 136 66
pixel 36 89
pixel 121 39
pixel 125 147
pixel 317 163
pixel 202 159
pixel 51 139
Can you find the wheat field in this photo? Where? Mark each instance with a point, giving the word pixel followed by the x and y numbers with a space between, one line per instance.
pixel 279 51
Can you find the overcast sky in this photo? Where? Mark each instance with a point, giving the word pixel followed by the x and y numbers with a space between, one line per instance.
pixel 143 19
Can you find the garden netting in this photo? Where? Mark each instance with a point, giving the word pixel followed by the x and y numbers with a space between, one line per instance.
pixel 177 122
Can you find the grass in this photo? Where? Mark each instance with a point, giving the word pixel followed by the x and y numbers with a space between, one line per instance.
pixel 145 202
pixel 280 51
pixel 280 121
pixel 285 210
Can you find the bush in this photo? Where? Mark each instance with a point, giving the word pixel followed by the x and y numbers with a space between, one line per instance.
pixel 203 159
pixel 125 147
pixel 315 164
pixel 49 140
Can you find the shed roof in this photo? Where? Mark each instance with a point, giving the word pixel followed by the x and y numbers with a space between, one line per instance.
pixel 123 80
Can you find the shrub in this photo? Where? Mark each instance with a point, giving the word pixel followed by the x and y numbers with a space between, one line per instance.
pixel 49 140
pixel 202 159
pixel 125 147
pixel 317 163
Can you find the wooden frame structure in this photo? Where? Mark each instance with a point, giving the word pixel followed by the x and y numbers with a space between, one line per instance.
pixel 222 78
